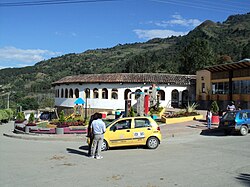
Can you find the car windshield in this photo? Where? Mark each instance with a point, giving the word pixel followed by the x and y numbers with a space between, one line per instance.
pixel 229 116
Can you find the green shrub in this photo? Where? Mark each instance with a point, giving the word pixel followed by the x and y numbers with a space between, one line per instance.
pixel 10 113
pixel 20 117
pixel 4 117
pixel 191 108
pixel 214 108
pixel 61 116
pixel 131 112
pixel 31 118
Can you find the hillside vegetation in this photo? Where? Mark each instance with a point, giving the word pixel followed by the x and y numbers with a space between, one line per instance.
pixel 209 43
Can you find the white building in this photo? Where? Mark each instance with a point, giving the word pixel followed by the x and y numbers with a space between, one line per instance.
pixel 109 91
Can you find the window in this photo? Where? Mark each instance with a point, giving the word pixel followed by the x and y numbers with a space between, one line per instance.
pixel 96 94
pixel 104 93
pixel 77 93
pixel 220 88
pixel 71 93
pixel 126 94
pixel 236 87
pixel 114 93
pixel 120 125
pixel 161 95
pixel 87 93
pixel 140 123
pixel 62 93
pixel 66 93
pixel 203 88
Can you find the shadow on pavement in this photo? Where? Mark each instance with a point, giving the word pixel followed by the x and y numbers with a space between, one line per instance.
pixel 212 132
pixel 244 178
pixel 84 147
pixel 73 151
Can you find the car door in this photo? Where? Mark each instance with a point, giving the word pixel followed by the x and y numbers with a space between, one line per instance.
pixel 141 131
pixel 120 134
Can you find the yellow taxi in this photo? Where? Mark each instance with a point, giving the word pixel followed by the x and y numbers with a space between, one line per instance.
pixel 131 131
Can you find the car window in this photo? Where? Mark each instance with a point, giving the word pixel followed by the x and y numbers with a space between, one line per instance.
pixel 140 123
pixel 244 115
pixel 229 116
pixel 123 124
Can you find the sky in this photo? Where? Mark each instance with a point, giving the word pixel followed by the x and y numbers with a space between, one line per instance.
pixel 41 30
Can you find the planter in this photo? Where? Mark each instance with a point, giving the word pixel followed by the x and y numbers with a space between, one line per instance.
pixel 59 130
pixel 215 119
pixel 180 119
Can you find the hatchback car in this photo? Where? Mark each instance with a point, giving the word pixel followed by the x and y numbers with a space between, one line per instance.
pixel 236 121
pixel 131 131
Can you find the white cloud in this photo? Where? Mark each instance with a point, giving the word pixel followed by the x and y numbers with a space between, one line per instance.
pixel 12 54
pixel 179 20
pixel 157 33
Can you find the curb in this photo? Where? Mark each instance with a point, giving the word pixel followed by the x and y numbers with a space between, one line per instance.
pixel 73 138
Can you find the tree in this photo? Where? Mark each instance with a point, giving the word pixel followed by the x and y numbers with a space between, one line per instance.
pixel 195 56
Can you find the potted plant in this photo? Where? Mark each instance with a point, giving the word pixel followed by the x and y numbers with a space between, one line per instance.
pixel 61 124
pixel 215 111
pixel 31 122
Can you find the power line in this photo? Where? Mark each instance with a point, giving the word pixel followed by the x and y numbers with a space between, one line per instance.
pixel 52 2
pixel 195 5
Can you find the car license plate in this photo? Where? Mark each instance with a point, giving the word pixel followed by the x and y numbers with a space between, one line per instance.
pixel 226 123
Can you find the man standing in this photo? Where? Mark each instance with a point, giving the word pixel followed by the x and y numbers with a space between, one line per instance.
pixel 98 129
pixel 209 118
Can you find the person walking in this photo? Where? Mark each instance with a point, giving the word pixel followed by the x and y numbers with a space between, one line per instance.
pixel 209 118
pixel 98 128
pixel 90 134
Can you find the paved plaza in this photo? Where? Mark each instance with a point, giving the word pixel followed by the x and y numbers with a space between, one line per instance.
pixel 189 155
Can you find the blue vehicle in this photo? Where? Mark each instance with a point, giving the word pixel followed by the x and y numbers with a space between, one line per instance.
pixel 238 120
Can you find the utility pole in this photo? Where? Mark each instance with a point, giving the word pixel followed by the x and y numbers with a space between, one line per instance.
pixel 8 101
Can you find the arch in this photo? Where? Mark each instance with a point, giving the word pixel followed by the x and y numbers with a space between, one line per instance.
pixel 70 93
pixel 66 93
pixel 105 93
pixel 175 98
pixel 77 93
pixel 114 93
pixel 126 93
pixel 137 93
pixel 62 93
pixel 95 93
pixel 161 94
pixel 87 93
pixel 184 98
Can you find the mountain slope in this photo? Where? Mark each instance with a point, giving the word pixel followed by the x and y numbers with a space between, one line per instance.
pixel 210 42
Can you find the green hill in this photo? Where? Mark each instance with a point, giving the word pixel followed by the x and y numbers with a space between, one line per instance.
pixel 209 43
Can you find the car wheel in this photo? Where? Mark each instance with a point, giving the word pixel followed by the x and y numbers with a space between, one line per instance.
pixel 243 130
pixel 104 145
pixel 152 143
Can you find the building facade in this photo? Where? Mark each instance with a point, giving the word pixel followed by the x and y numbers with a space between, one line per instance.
pixel 109 91
pixel 224 83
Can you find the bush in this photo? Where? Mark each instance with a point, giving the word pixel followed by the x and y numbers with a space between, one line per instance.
pixel 131 112
pixel 10 113
pixel 215 108
pixel 4 117
pixel 20 117
pixel 31 120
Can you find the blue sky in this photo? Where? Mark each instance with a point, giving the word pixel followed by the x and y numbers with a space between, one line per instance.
pixel 29 34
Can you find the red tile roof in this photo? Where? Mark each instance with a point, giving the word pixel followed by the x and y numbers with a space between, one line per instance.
pixel 129 78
